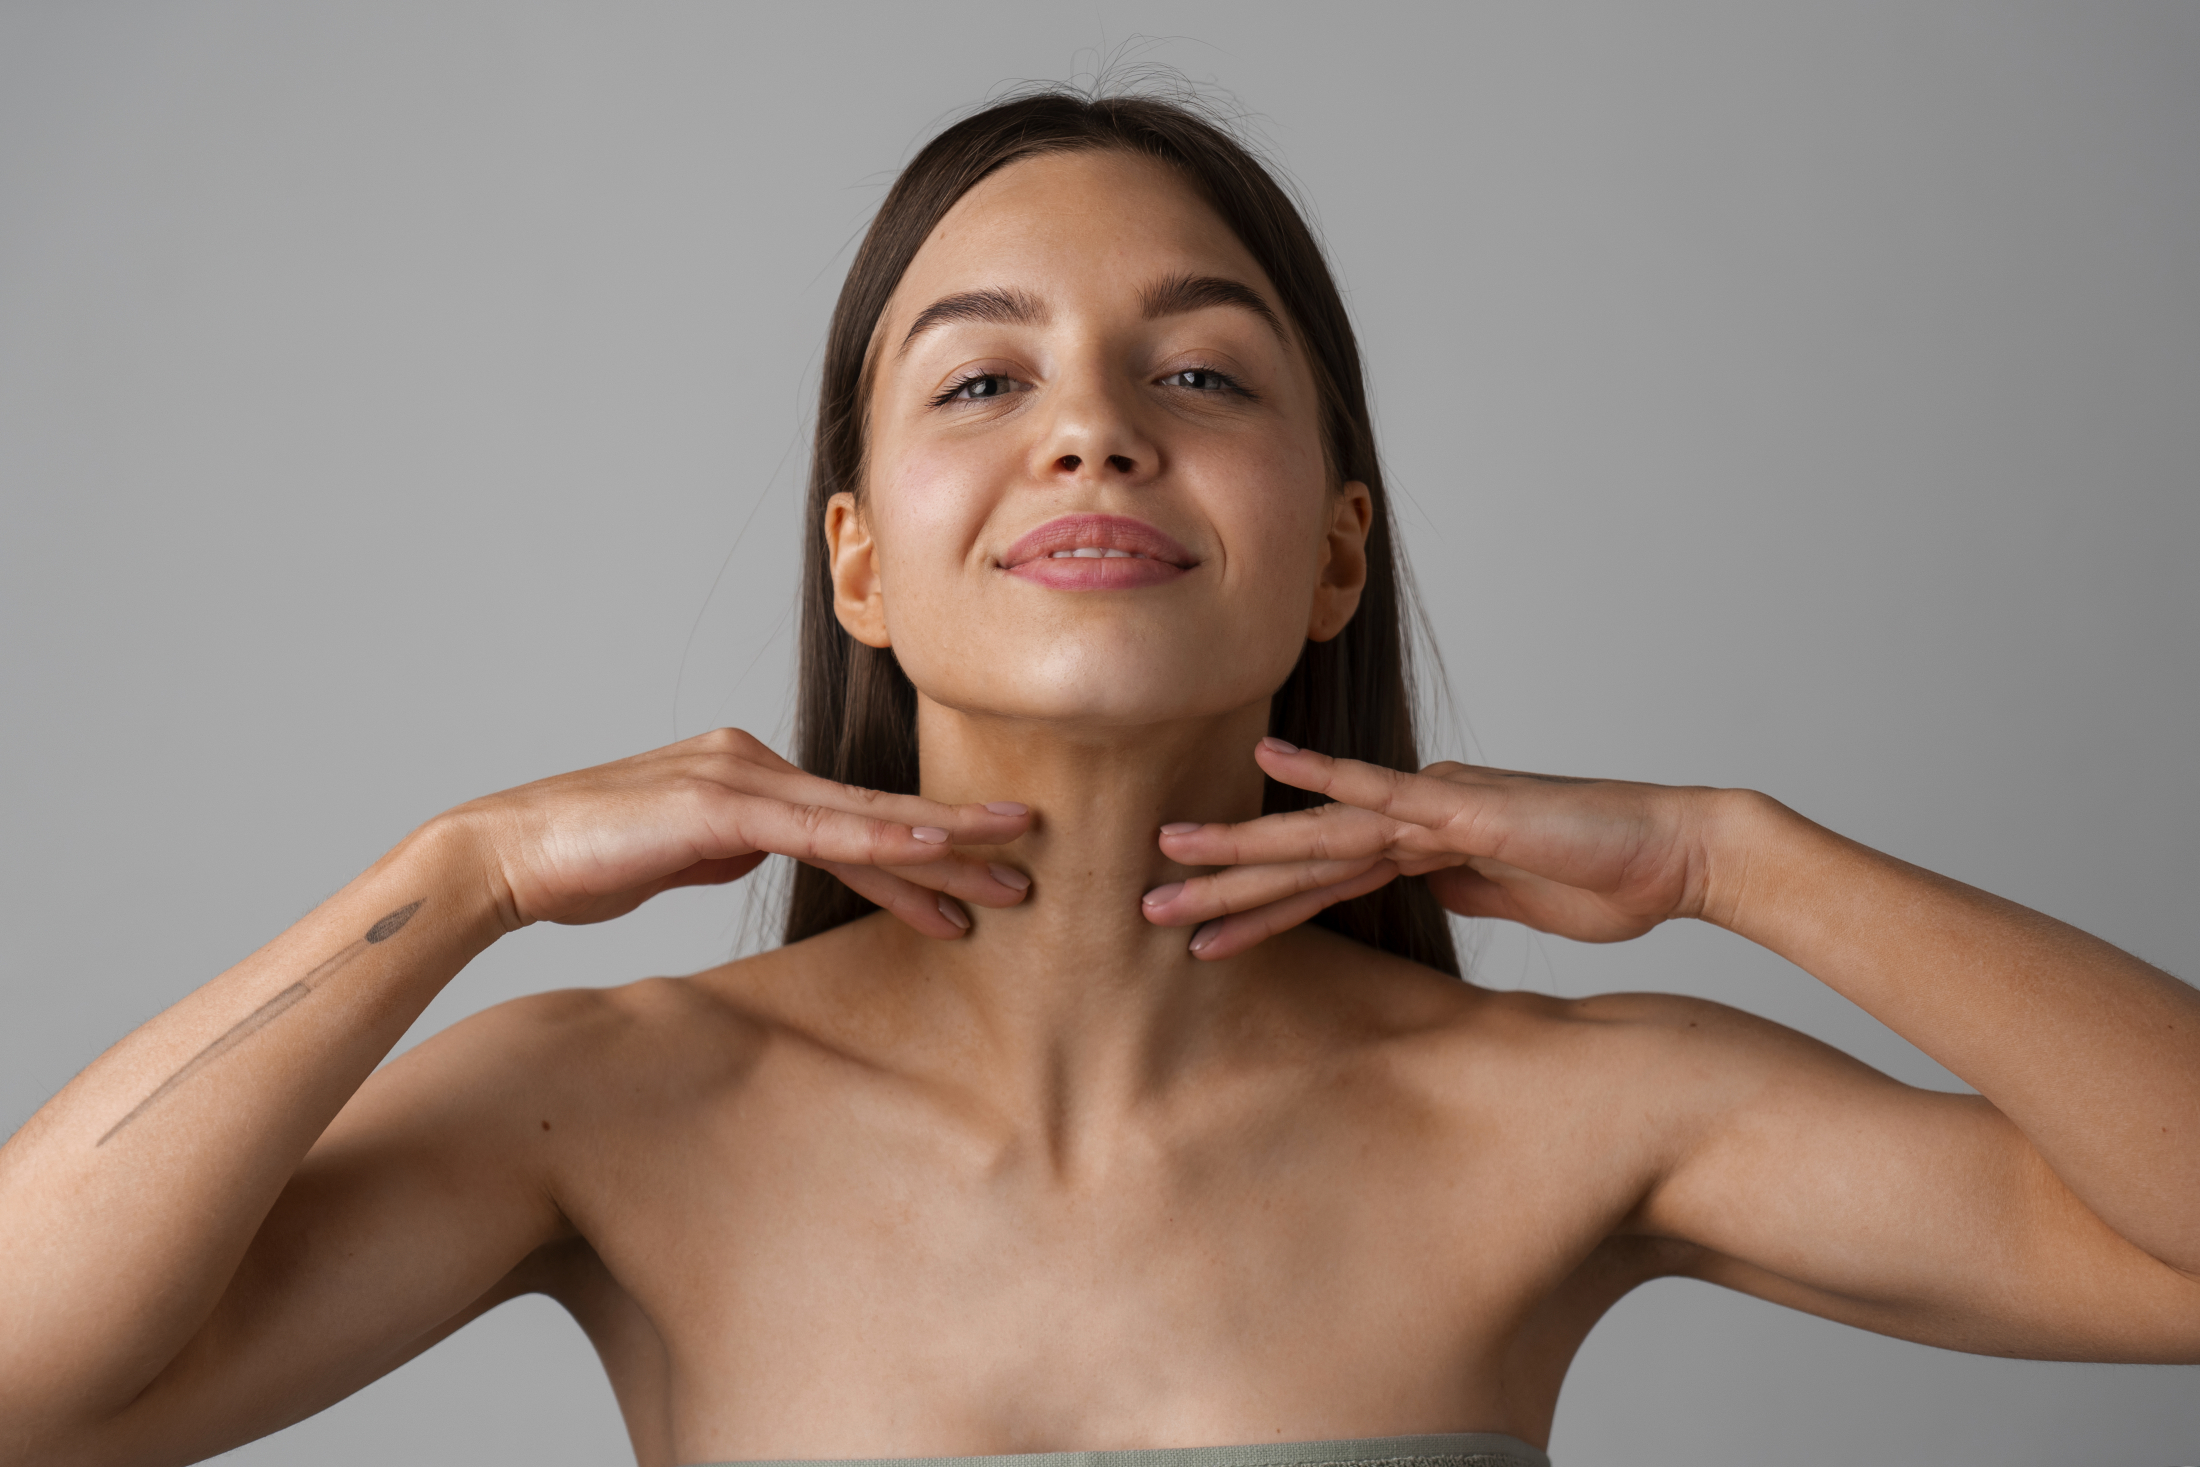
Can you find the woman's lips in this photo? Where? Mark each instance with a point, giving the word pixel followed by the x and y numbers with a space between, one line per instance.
pixel 1096 552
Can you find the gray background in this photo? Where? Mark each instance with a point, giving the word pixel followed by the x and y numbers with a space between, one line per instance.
pixel 399 402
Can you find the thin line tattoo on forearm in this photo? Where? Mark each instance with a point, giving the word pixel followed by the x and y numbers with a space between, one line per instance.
pixel 267 1013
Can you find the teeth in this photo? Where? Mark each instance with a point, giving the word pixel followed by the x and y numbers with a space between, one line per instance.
pixel 1090 552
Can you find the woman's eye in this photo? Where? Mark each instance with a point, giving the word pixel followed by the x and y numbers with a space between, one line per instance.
pixel 1199 379
pixel 977 389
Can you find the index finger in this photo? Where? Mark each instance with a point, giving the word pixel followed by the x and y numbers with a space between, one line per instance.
pixel 1325 833
pixel 975 824
pixel 1414 798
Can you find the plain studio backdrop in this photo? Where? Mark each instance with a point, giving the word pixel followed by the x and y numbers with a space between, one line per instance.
pixel 401 402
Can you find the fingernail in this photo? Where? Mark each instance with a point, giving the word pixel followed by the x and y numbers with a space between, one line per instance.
pixel 1163 894
pixel 1206 935
pixel 1007 807
pixel 954 913
pixel 1180 827
pixel 1010 876
pixel 931 835
pixel 1275 745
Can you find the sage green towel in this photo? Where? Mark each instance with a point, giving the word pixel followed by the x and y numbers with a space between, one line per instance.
pixel 1453 1449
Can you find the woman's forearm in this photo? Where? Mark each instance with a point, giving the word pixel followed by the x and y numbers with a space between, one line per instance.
pixel 2092 1053
pixel 128 1200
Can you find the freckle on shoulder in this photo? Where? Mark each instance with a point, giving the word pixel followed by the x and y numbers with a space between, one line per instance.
pixel 1651 1024
pixel 1596 1021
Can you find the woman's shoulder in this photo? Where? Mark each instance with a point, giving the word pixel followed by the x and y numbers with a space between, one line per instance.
pixel 1418 1018
pixel 820 996
pixel 665 1026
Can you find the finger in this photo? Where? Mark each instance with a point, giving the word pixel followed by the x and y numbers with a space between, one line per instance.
pixel 701 873
pixel 975 824
pixel 1513 895
pixel 987 883
pixel 994 824
pixel 1242 888
pixel 927 911
pixel 1416 799
pixel 749 765
pixel 820 833
pixel 715 873
pixel 1226 937
pixel 1466 891
pixel 1325 833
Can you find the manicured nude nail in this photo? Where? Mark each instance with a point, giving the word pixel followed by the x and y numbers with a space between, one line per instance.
pixel 954 913
pixel 931 835
pixel 1163 894
pixel 1010 876
pixel 1206 935
pixel 1275 745
pixel 1180 827
pixel 1007 807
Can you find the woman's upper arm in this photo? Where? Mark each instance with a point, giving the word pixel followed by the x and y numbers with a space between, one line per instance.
pixel 1811 1180
pixel 415 1207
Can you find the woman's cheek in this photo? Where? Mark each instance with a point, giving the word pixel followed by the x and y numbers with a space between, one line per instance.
pixel 926 483
pixel 928 509
pixel 927 513
pixel 1274 518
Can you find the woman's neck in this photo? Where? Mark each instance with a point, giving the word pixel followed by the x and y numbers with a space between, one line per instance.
pixel 1074 992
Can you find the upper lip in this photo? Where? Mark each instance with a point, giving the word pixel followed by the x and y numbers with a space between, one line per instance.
pixel 1097 532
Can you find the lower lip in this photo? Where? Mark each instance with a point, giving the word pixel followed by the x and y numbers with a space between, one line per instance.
pixel 1069 573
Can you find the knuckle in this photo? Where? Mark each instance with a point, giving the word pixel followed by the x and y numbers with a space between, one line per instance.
pixel 730 741
pixel 700 792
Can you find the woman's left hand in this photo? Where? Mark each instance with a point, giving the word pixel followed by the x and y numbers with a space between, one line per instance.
pixel 1591 859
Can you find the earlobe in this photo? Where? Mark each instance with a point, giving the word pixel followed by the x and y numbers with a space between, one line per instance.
pixel 851 558
pixel 1344 562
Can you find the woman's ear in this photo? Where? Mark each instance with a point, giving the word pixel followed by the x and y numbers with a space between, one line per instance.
pixel 858 599
pixel 1344 562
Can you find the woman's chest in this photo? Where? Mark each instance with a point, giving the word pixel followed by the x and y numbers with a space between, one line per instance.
pixel 862 1290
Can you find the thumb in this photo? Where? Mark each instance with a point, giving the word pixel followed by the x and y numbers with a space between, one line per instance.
pixel 715 872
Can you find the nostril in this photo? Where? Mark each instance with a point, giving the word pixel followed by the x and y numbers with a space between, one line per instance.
pixel 1120 464
pixel 1068 461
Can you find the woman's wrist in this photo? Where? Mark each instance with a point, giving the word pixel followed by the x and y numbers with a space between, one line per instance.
pixel 449 865
pixel 1748 845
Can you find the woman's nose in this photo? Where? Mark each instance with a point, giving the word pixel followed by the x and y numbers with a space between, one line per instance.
pixel 1093 435
pixel 1070 463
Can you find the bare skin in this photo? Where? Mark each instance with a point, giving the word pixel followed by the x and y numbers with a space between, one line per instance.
pixel 1085 1141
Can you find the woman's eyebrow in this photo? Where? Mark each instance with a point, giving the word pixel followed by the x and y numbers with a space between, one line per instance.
pixel 1181 293
pixel 1001 307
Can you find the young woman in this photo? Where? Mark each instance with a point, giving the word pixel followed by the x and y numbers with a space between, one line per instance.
pixel 1116 1088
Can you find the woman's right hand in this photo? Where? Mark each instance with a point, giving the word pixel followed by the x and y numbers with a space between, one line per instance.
pixel 597 843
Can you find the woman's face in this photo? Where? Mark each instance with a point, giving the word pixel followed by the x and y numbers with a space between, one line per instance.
pixel 1096 489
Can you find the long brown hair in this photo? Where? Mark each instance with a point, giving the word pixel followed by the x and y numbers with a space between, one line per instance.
pixel 856 711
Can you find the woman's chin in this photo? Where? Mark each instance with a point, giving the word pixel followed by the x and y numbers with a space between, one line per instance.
pixel 1084 710
pixel 1111 677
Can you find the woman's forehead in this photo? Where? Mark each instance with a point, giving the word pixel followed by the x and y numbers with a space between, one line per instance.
pixel 1074 228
